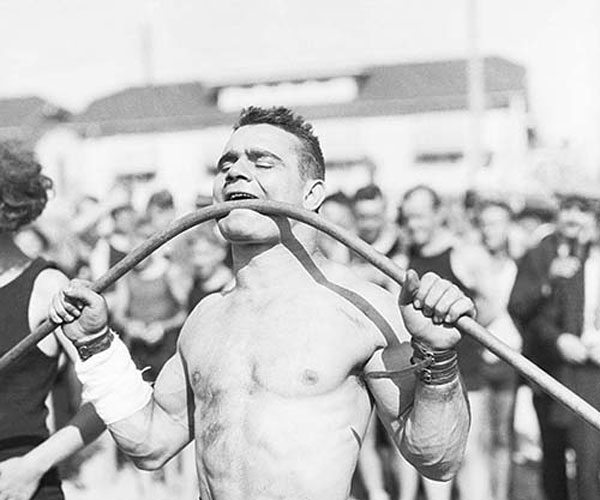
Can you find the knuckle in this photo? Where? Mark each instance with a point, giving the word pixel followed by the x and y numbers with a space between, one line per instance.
pixel 430 278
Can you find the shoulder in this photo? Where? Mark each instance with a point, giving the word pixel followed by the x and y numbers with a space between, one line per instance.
pixel 470 263
pixel 373 302
pixel 207 306
pixel 470 254
pixel 48 283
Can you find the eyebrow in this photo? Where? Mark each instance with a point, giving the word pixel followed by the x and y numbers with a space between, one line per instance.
pixel 229 156
pixel 255 153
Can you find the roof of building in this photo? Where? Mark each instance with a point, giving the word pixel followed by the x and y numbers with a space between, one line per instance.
pixel 382 90
pixel 436 79
pixel 157 101
pixel 21 115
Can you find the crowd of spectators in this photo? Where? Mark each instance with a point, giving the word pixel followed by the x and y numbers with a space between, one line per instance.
pixel 517 265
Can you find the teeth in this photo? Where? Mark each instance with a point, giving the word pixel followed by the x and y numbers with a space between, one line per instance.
pixel 241 196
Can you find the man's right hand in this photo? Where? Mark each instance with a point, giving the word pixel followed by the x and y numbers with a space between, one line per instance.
pixel 81 311
pixel 571 348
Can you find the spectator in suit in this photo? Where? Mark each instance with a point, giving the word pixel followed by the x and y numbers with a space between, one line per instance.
pixel 558 256
pixel 568 333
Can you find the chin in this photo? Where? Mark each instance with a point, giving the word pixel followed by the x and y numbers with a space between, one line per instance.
pixel 244 226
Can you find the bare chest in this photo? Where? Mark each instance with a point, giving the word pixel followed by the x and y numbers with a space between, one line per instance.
pixel 288 348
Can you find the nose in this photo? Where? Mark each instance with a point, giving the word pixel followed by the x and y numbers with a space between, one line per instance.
pixel 238 170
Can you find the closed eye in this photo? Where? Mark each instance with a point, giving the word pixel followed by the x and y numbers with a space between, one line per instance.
pixel 262 158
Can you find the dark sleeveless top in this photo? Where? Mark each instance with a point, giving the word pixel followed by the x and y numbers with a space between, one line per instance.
pixel 26 384
pixel 151 300
pixel 469 351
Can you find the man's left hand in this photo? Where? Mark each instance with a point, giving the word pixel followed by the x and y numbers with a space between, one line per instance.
pixel 430 307
pixel 18 479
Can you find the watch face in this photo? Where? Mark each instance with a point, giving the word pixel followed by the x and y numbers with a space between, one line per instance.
pixel 84 352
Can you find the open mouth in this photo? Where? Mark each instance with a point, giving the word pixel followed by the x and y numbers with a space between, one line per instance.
pixel 240 196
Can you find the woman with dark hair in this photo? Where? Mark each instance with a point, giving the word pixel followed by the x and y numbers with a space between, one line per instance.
pixel 27 454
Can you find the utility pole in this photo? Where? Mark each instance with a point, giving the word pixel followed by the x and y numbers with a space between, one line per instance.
pixel 476 92
pixel 147 52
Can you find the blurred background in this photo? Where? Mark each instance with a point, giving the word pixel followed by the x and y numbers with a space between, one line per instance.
pixel 462 94
pixel 495 105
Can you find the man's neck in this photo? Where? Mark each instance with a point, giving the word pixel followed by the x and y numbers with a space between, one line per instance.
pixel 275 266
pixel 440 242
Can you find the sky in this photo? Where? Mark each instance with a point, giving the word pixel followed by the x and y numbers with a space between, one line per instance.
pixel 73 51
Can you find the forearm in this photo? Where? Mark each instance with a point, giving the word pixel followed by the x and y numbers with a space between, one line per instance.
pixel 435 434
pixel 84 428
pixel 146 436
pixel 137 416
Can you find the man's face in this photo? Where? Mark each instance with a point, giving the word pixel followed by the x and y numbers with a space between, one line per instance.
pixel 370 218
pixel 494 223
pixel 339 214
pixel 573 218
pixel 258 162
pixel 421 219
pixel 125 221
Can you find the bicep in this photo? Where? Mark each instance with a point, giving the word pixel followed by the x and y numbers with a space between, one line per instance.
pixel 391 380
pixel 173 395
pixel 389 373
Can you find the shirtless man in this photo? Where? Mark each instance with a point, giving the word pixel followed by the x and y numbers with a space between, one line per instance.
pixel 275 377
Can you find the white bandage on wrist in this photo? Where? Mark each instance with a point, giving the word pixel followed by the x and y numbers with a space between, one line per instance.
pixel 113 384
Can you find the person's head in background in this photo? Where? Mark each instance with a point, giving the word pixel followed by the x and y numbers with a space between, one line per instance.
pixel 124 220
pixel 494 219
pixel 575 215
pixel 420 215
pixel 23 189
pixel 161 209
pixel 336 208
pixel 87 203
pixel 370 212
pixel 532 224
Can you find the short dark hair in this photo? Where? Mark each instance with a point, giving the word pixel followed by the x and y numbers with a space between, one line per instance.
pixel 369 192
pixel 312 164
pixel 338 197
pixel 162 199
pixel 118 210
pixel 436 200
pixel 23 188
pixel 569 200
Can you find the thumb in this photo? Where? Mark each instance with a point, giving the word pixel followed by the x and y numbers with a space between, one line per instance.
pixel 410 288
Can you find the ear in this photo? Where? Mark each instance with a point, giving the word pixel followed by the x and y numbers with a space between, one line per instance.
pixel 314 194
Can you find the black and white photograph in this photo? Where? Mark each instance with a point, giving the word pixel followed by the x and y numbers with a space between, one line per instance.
pixel 300 250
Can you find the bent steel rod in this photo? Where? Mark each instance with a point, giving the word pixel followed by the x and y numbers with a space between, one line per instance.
pixel 465 324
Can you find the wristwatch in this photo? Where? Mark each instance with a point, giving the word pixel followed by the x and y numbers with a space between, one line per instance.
pixel 87 349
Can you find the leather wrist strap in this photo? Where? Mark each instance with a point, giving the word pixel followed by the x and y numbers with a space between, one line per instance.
pixel 99 344
pixel 437 366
